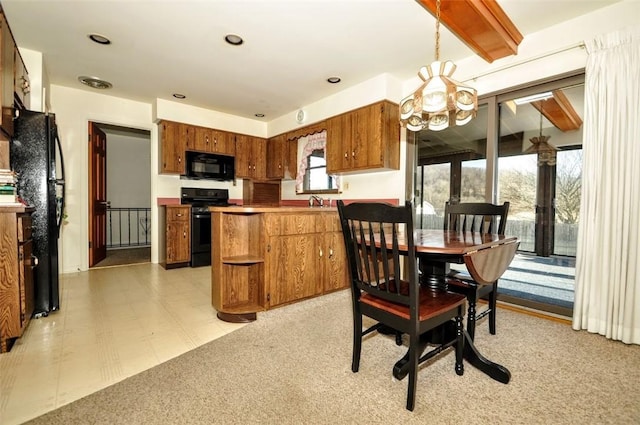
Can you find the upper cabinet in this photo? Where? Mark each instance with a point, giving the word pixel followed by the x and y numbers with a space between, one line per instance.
pixel 367 138
pixel 251 157
pixel 22 84
pixel 172 142
pixel 281 158
pixel 364 139
pixel 14 80
pixel 214 141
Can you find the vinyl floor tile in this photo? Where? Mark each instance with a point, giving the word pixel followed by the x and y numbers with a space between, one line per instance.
pixel 113 323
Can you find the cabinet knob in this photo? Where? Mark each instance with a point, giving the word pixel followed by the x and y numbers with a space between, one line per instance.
pixel 330 252
pixel 320 249
pixel 353 154
pixel 346 155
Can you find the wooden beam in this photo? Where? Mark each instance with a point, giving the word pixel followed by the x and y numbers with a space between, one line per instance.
pixel 480 24
pixel 559 111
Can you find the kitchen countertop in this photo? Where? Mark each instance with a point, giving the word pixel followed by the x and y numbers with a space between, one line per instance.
pixel 270 209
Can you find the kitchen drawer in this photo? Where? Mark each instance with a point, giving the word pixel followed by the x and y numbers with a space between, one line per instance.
pixel 24 228
pixel 177 213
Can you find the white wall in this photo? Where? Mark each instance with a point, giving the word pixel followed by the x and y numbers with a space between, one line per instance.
pixel 128 186
pixel 74 109
pixel 128 171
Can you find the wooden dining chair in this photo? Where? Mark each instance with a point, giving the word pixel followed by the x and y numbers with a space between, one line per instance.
pixel 392 296
pixel 482 218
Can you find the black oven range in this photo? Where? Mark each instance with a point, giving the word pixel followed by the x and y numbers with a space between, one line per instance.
pixel 200 200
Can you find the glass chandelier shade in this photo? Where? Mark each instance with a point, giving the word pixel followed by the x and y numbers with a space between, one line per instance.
pixel 546 151
pixel 440 102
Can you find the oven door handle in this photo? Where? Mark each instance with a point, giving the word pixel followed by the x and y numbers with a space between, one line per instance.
pixel 204 215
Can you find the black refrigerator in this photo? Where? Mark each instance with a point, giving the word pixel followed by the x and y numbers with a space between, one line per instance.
pixel 36 157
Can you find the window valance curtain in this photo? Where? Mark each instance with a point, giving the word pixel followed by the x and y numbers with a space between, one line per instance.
pixel 607 294
pixel 313 142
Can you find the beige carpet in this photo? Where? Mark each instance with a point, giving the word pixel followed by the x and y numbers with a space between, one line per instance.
pixel 292 366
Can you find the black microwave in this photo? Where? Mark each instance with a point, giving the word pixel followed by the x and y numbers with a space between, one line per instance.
pixel 211 166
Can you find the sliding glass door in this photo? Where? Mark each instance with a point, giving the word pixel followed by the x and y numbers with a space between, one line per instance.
pixel 535 164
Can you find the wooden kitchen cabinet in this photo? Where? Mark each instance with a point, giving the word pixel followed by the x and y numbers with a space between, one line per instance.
pixel 294 254
pixel 367 138
pixel 178 235
pixel 265 257
pixel 22 84
pixel 16 274
pixel 335 267
pixel 172 145
pixel 237 264
pixel 7 70
pixel 277 157
pixel 251 154
pixel 214 141
pixel 282 156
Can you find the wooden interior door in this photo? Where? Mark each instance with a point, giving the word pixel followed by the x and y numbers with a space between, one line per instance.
pixel 97 195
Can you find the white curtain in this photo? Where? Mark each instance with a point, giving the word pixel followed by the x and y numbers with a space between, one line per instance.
pixel 607 295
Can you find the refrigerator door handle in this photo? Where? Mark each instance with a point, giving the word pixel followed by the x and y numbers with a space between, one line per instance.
pixel 60 182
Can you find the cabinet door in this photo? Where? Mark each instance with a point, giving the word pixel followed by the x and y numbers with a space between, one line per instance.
pixel 172 152
pixel 188 137
pixel 222 142
pixel 22 85
pixel 203 139
pixel 6 77
pixel 259 158
pixel 243 156
pixel 336 273
pixel 366 134
pixel 276 157
pixel 27 295
pixel 178 242
pixel 295 268
pixel 339 150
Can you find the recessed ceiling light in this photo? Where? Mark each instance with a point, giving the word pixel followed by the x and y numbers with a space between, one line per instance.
pixel 100 39
pixel 334 80
pixel 233 39
pixel 259 115
pixel 95 82
pixel 179 96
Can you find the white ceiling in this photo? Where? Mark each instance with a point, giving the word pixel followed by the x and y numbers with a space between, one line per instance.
pixel 291 47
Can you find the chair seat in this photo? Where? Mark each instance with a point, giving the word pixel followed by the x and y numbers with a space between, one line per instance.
pixel 432 303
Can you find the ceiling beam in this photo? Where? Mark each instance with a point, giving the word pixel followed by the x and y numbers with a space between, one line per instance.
pixel 559 111
pixel 480 24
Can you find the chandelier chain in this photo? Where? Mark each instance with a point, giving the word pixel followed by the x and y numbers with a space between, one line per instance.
pixel 437 30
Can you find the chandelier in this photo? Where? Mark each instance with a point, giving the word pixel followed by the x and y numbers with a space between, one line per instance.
pixel 441 101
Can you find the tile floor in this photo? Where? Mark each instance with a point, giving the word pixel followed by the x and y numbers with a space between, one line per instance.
pixel 113 323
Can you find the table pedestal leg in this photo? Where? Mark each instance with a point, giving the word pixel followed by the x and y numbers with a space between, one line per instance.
pixel 494 370
pixel 471 354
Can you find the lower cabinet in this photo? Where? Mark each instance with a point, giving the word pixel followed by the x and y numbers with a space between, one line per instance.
pixel 178 235
pixel 268 257
pixel 336 271
pixel 16 275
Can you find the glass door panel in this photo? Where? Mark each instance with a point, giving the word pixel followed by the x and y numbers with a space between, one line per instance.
pixel 539 171
pixel 568 190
